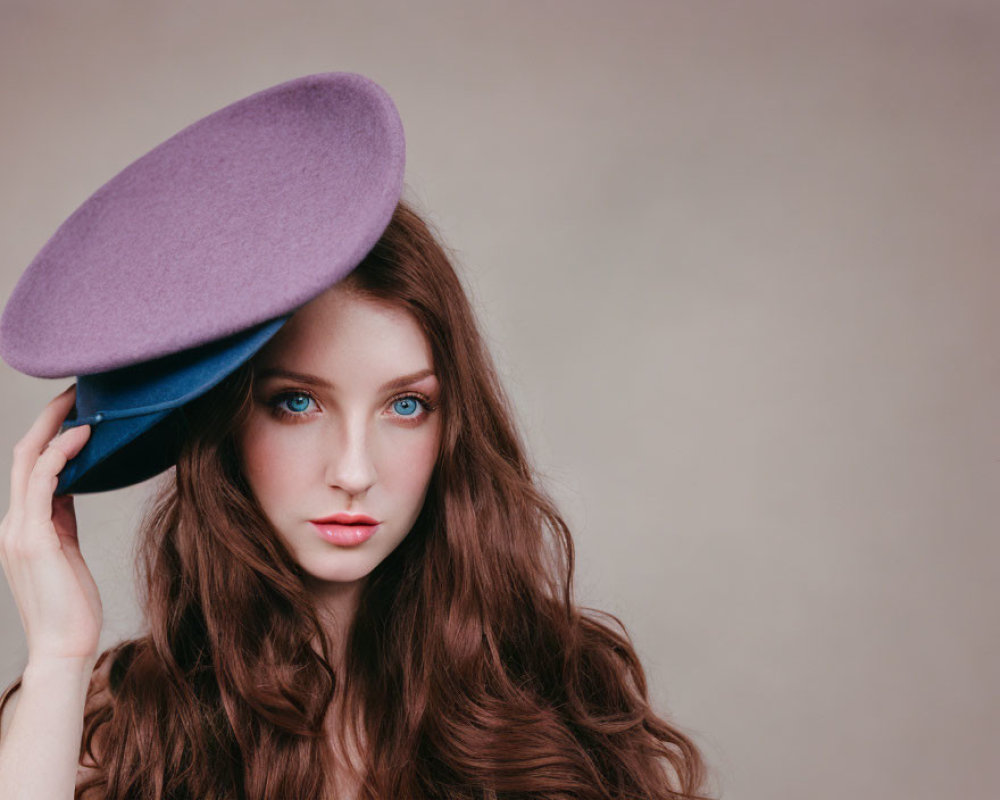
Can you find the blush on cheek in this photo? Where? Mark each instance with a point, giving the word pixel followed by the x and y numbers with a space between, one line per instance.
pixel 267 469
pixel 420 463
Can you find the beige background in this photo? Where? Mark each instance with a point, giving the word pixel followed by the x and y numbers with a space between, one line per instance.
pixel 737 262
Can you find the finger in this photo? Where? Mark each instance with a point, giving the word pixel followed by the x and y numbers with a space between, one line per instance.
pixel 44 476
pixel 64 518
pixel 30 446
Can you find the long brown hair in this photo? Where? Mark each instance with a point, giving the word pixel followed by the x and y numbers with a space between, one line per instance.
pixel 470 672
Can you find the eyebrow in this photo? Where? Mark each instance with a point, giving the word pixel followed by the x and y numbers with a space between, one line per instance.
pixel 305 377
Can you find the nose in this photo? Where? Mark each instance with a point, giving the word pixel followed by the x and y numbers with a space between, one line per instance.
pixel 349 463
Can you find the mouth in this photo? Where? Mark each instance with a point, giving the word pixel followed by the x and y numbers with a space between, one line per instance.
pixel 345 535
pixel 346 519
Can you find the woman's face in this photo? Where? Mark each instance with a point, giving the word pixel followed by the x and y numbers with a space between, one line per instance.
pixel 353 432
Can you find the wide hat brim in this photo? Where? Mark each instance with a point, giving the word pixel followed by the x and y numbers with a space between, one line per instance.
pixel 234 222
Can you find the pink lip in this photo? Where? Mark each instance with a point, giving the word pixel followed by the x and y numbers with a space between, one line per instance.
pixel 345 535
pixel 347 519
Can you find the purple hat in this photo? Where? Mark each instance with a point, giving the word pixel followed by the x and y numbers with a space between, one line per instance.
pixel 179 268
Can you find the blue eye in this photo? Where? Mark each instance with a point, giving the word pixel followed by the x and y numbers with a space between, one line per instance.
pixel 298 402
pixel 405 406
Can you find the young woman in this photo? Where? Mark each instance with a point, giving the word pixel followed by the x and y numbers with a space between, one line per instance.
pixel 352 584
pixel 434 651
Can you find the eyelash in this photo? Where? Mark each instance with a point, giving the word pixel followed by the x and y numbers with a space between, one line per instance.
pixel 275 404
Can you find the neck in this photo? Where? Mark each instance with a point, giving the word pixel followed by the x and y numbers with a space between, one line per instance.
pixel 336 605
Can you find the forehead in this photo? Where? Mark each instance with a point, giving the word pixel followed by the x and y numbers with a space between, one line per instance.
pixel 342 331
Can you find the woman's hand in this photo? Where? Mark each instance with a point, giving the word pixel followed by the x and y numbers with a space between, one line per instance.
pixel 55 593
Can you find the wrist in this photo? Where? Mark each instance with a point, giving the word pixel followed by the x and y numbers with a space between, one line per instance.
pixel 48 668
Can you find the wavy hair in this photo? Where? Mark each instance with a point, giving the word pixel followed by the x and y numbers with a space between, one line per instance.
pixel 469 670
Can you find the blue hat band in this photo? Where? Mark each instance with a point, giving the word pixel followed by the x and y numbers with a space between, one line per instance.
pixel 165 383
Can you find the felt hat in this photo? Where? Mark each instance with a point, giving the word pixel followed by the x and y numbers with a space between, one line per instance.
pixel 184 264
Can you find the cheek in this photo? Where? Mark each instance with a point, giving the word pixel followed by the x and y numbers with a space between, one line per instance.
pixel 407 467
pixel 270 460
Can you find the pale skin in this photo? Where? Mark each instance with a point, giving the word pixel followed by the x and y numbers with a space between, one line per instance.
pixel 353 445
pixel 356 446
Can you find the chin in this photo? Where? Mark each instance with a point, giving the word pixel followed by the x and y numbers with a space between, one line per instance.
pixel 339 573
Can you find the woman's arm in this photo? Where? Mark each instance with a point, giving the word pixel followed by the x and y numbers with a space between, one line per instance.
pixel 60 610
pixel 41 729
